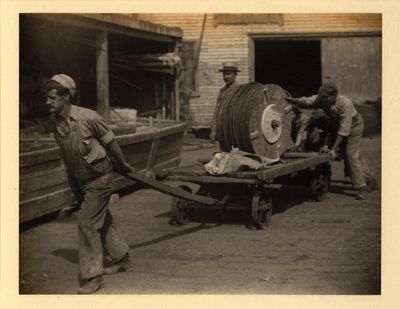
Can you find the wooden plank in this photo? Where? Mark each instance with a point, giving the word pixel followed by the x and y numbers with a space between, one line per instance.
pixel 41 182
pixel 150 113
pixel 145 136
pixel 26 171
pixel 30 194
pixel 299 154
pixel 109 22
pixel 243 174
pixel 172 191
pixel 191 173
pixel 177 104
pixel 167 156
pixel 170 143
pixel 102 76
pixel 191 170
pixel 153 154
pixel 213 179
pixel 167 122
pixel 121 182
pixel 251 54
pixel 34 208
pixel 365 54
pixel 295 166
pixel 34 157
pixel 197 173
pixel 40 139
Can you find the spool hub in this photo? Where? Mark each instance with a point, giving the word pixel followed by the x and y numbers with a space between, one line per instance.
pixel 271 123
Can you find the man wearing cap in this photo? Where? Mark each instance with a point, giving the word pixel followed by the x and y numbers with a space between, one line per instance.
pixel 229 73
pixel 351 127
pixel 318 132
pixel 320 135
pixel 85 140
pixel 299 124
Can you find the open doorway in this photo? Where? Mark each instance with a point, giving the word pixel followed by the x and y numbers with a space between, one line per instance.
pixel 295 65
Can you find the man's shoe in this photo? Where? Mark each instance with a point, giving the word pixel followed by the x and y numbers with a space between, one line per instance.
pixel 372 185
pixel 124 265
pixel 92 285
pixel 362 194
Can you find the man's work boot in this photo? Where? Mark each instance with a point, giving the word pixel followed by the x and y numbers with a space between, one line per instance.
pixel 372 185
pixel 124 265
pixel 362 194
pixel 91 285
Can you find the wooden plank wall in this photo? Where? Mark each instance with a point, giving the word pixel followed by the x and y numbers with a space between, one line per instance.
pixel 231 42
pixel 355 65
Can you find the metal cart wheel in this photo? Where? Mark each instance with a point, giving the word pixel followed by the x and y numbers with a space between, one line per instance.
pixel 320 183
pixel 180 212
pixel 261 208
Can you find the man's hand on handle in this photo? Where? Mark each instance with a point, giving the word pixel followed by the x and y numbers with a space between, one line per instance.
pixel 127 168
pixel 212 138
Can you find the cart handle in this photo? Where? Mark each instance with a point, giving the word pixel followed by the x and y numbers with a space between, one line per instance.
pixel 166 189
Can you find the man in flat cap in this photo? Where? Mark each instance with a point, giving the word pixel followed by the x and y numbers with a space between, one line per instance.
pixel 351 127
pixel 229 73
pixel 85 140
pixel 299 124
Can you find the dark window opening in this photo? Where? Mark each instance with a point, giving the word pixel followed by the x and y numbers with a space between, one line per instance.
pixel 295 65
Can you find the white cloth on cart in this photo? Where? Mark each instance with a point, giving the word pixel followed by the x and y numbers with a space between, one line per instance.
pixel 237 160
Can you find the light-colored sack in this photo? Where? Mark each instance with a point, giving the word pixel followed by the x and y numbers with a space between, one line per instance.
pixel 237 160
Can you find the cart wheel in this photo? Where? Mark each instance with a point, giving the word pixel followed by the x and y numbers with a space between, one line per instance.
pixel 180 212
pixel 319 183
pixel 261 209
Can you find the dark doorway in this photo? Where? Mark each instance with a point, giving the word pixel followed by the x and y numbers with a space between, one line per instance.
pixel 295 65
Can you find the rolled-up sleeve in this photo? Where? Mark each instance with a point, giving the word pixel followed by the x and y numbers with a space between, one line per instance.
pixel 100 130
pixel 346 113
pixel 307 101
pixel 346 117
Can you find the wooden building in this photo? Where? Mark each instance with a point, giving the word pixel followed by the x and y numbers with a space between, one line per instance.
pixel 119 64
pixel 299 52
pixel 115 59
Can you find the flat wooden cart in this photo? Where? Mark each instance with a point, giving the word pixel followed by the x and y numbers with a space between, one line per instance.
pixel 241 190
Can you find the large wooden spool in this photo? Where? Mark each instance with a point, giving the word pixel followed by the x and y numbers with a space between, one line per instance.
pixel 255 118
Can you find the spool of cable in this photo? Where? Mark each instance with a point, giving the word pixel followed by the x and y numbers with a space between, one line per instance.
pixel 255 118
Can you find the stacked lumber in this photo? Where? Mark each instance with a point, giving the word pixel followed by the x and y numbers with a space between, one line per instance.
pixel 163 63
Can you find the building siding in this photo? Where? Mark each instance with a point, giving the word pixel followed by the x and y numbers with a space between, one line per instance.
pixel 233 42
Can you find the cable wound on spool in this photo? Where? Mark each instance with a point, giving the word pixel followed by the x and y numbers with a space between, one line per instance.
pixel 253 119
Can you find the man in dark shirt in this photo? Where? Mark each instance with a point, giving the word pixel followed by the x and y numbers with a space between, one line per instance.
pixel 229 73
pixel 85 140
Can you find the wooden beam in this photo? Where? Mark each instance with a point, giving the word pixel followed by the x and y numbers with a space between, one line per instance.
pixel 150 113
pixel 177 100
pixel 213 179
pixel 153 154
pixel 112 24
pixel 102 77
pixel 34 157
pixel 295 166
pixel 175 85
pixel 172 191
